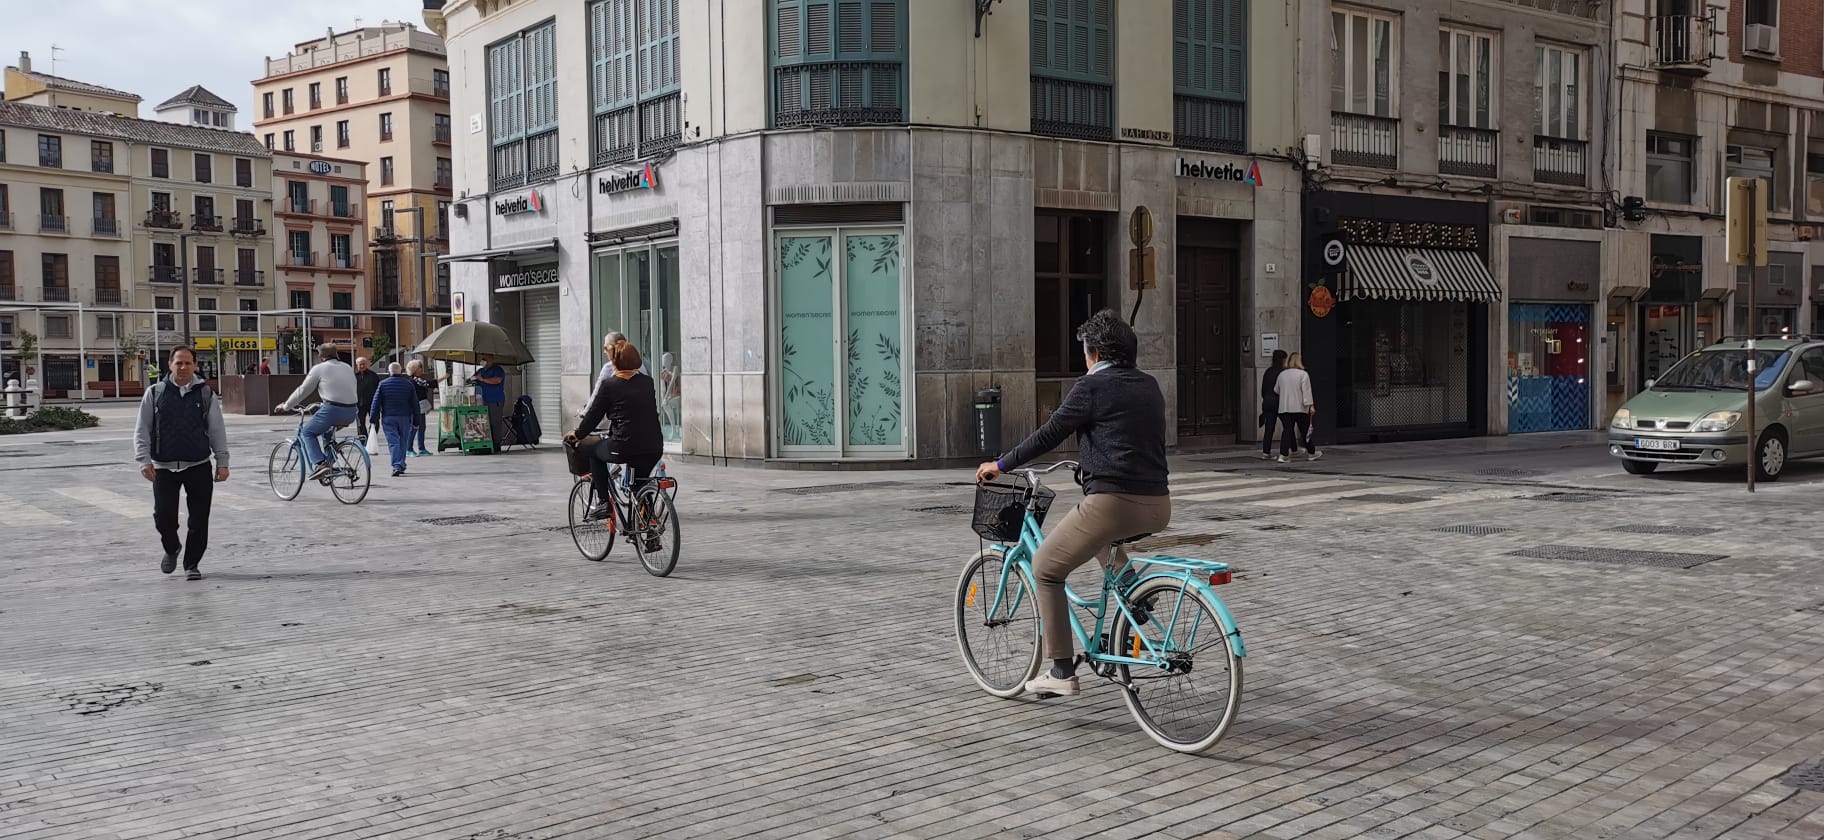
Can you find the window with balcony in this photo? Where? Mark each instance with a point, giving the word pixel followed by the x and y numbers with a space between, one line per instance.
pixel 290 104
pixel 342 134
pixel 341 251
pixel 1763 163
pixel 244 219
pixel 298 245
pixel 1073 70
pixel 316 95
pixel 386 172
pixel 440 128
pixel 297 195
pixel 316 139
pixel 6 208
pixel 386 126
pixel 341 90
pixel 266 104
pixel 101 156
pixel 247 269
pixel 634 84
pixel 1364 97
pixel 291 143
pixel 385 78
pixel 440 80
pixel 206 271
pixel 50 151
pixel 102 217
pixel 386 214
pixel 1209 74
pixel 522 94
pixel 163 268
pixel 1559 149
pixel 445 175
pixel 54 272
pixel 51 215
pixel 1671 177
pixel 107 281
pixel 204 171
pixel 338 201
pixel 205 218
pixel 8 289
pixel 1467 142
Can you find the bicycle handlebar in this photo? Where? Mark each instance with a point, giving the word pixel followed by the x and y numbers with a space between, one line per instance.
pixel 1036 471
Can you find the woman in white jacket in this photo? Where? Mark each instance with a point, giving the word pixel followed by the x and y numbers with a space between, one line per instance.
pixel 1296 408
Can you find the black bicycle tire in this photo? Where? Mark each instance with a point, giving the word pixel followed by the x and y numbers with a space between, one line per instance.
pixel 294 473
pixel 1232 707
pixel 587 488
pixel 652 496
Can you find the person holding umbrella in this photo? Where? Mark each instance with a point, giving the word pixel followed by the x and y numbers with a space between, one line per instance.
pixel 491 386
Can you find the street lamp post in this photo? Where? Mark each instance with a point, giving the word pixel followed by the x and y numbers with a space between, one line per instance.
pixel 183 273
pixel 417 241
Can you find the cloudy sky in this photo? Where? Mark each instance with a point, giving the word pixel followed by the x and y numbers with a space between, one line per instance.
pixel 156 49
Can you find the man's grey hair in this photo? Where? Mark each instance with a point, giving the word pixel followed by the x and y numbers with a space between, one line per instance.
pixel 613 337
pixel 360 359
pixel 395 369
pixel 327 350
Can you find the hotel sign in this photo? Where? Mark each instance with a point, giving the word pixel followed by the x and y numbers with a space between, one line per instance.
pixel 531 202
pixel 644 178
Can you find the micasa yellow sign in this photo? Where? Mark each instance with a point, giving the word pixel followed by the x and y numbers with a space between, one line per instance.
pixel 237 344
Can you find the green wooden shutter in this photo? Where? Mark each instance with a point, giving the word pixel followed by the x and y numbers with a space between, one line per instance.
pixel 658 47
pixel 1074 39
pixel 541 79
pixel 842 60
pixel 504 91
pixel 1210 48
pixel 1229 49
pixel 611 53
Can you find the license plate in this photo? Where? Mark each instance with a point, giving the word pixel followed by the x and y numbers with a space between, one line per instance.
pixel 1655 443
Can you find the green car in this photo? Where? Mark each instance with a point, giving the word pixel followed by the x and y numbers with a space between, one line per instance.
pixel 1696 414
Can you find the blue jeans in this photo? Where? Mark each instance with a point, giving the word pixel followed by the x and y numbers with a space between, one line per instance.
pixel 320 431
pixel 398 436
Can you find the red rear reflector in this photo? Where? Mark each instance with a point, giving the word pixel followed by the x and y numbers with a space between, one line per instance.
pixel 1219 578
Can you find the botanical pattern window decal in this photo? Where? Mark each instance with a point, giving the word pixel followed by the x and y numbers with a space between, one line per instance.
pixel 871 277
pixel 842 342
pixel 807 358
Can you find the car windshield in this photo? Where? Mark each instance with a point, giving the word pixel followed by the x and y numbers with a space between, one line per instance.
pixel 1723 370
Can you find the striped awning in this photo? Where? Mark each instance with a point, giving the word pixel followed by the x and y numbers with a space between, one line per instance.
pixel 1387 272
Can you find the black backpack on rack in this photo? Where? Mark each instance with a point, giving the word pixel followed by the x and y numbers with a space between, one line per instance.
pixel 524 422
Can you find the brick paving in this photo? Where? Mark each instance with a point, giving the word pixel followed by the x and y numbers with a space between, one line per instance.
pixel 349 672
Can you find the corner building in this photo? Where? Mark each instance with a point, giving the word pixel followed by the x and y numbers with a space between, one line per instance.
pixel 829 223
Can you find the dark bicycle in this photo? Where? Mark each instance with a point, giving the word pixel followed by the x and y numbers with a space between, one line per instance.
pixel 644 516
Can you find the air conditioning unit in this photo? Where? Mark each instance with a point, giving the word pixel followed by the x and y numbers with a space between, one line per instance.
pixel 1761 39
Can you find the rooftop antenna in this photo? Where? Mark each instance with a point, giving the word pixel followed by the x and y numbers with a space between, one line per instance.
pixel 51 90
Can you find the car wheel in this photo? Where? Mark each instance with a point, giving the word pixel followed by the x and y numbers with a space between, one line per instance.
pixel 1640 467
pixel 1770 456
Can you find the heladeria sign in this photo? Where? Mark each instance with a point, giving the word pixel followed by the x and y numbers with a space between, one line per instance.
pixel 531 202
pixel 1203 170
pixel 644 178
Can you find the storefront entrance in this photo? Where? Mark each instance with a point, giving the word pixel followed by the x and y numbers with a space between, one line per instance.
pixel 1548 367
pixel 636 294
pixel 841 369
pixel 539 320
pixel 1207 335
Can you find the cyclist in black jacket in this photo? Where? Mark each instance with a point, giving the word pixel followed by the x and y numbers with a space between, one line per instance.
pixel 1118 415
pixel 628 400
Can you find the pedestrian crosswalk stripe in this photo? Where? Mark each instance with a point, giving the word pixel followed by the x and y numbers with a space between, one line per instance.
pixel 15 512
pixel 1210 484
pixel 1332 496
pixel 1266 487
pixel 1442 501
pixel 110 501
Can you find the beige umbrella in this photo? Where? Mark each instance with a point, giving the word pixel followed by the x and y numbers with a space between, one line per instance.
pixel 468 341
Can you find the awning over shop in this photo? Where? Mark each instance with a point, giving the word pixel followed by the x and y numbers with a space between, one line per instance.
pixel 1386 272
pixel 517 253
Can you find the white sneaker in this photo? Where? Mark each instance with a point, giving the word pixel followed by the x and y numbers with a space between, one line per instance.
pixel 1283 459
pixel 1045 683
pixel 1314 456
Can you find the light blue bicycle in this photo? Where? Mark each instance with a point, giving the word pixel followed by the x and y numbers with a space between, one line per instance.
pixel 1160 633
pixel 287 468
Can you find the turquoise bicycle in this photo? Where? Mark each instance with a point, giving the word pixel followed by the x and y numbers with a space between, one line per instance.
pixel 287 468
pixel 1160 632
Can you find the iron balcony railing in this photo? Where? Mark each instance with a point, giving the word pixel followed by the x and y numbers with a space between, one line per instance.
pixel 164 274
pixel 200 221
pixel 109 296
pixel 300 258
pixel 641 130
pixel 9 292
pixel 299 206
pixel 1212 125
pixel 440 134
pixel 341 211
pixel 249 277
pixel 53 224
pixel 55 294
pixel 210 276
pixel 1364 140
pixel 1559 161
pixel 1472 152
pixel 838 93
pixel 106 227
pixel 249 226
pixel 1682 41
pixel 1073 110
pixel 167 219
pixel 6 221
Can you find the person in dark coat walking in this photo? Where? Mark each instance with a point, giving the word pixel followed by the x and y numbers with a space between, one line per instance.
pixel 179 431
pixel 395 409
pixel 366 380
pixel 1269 403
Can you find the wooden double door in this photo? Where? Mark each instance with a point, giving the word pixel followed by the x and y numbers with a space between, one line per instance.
pixel 1209 341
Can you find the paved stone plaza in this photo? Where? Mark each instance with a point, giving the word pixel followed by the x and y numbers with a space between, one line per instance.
pixel 395 670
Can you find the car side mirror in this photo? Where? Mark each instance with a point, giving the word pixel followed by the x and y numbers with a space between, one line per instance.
pixel 1803 386
pixel 1649 384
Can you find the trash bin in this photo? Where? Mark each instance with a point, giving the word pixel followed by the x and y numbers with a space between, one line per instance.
pixel 988 421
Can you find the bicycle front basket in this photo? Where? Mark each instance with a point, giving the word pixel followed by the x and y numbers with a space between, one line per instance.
pixel 1000 510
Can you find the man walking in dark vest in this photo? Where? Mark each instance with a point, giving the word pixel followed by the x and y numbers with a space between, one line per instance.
pixel 180 429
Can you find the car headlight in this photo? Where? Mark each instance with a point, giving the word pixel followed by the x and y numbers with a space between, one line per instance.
pixel 1716 421
pixel 1624 419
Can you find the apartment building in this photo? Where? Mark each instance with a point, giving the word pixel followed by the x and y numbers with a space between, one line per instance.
pixel 34 87
pixel 829 224
pixel 197 106
pixel 1456 224
pixel 320 205
pixel 378 95
pixel 1708 91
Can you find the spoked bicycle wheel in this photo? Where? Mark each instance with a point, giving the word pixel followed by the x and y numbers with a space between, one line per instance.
pixel 283 472
pixel 655 539
pixel 997 623
pixel 593 537
pixel 353 473
pixel 1189 700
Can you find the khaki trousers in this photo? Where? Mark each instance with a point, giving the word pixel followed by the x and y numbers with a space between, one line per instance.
pixel 1087 532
